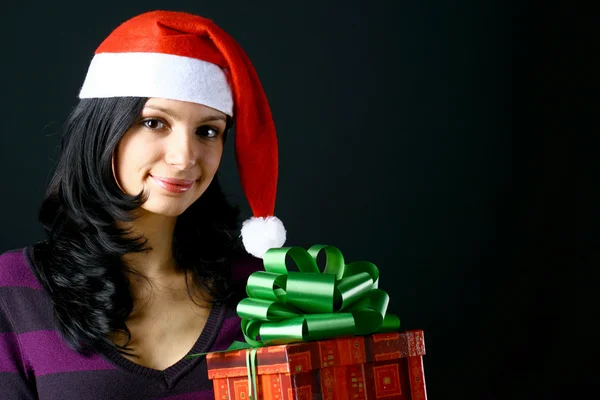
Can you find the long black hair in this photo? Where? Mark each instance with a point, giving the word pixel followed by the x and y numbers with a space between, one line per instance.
pixel 80 263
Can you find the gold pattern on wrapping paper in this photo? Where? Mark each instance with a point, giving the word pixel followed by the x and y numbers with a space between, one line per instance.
pixel 273 349
pixel 303 359
pixel 385 336
pixel 227 354
pixel 301 393
pixel 216 374
pixel 420 343
pixel 241 388
pixel 385 374
pixel 388 356
pixel 415 371
pixel 272 369
pixel 326 383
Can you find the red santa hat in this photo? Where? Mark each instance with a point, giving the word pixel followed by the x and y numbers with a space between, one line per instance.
pixel 181 56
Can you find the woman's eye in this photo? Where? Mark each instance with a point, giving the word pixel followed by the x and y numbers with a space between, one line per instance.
pixel 153 124
pixel 208 131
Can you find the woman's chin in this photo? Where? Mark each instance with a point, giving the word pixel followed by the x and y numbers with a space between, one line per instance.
pixel 166 210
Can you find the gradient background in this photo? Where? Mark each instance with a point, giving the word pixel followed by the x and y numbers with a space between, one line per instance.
pixel 404 132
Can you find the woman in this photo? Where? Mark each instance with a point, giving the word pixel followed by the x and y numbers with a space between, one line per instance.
pixel 141 265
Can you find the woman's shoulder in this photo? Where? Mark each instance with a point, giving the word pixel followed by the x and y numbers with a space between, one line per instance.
pixel 16 269
pixel 23 301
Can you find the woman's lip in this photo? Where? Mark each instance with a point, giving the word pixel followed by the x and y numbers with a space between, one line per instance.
pixel 174 185
pixel 173 181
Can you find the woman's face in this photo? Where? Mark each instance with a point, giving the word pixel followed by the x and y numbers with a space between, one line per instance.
pixel 172 153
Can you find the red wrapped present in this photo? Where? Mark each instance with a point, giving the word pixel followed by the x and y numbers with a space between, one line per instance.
pixel 318 335
pixel 377 366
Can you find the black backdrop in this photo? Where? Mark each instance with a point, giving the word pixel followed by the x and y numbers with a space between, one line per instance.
pixel 398 144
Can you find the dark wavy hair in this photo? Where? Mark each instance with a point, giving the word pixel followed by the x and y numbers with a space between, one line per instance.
pixel 80 262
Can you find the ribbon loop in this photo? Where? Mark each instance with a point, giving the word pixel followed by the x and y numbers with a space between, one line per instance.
pixel 334 262
pixel 265 309
pixel 311 292
pixel 266 285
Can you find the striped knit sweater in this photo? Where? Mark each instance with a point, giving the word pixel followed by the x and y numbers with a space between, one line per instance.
pixel 36 363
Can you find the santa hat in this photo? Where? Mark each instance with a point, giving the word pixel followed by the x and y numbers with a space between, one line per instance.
pixel 181 56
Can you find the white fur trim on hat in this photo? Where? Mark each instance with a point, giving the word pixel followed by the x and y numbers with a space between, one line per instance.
pixel 158 75
pixel 261 234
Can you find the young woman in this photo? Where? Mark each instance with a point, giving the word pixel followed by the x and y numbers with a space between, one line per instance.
pixel 141 265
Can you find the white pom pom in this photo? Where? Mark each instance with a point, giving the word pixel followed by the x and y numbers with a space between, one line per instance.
pixel 261 234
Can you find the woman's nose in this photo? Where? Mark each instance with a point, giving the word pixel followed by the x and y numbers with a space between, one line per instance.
pixel 180 151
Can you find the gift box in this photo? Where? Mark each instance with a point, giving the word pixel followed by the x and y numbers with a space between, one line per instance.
pixel 318 334
pixel 377 366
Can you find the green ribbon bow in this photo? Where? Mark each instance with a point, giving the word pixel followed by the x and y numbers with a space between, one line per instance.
pixel 287 306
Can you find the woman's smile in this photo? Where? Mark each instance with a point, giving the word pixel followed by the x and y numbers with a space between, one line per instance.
pixel 174 185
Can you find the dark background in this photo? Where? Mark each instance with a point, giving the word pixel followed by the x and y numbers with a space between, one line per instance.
pixel 406 139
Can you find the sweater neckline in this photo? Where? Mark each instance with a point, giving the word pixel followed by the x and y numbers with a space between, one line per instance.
pixel 168 377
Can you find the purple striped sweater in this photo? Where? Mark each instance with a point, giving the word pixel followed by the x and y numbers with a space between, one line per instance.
pixel 36 363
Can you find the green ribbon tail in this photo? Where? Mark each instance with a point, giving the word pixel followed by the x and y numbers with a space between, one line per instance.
pixel 251 369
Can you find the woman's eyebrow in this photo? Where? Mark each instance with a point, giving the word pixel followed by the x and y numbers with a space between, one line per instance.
pixel 211 117
pixel 215 117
